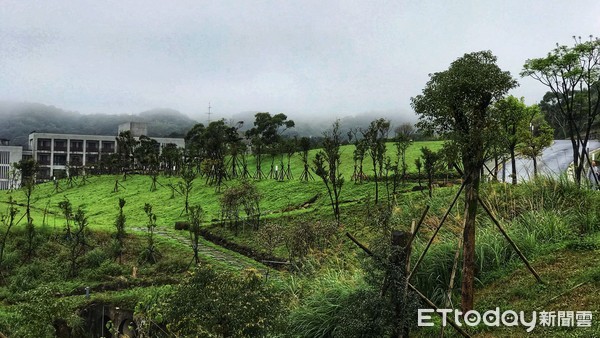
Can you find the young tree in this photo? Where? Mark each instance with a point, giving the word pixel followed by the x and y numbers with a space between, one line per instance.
pixel 375 137
pixel 188 175
pixel 304 145
pixel 78 242
pixel 150 253
pixel 327 167
pixel 67 210
pixel 126 145
pixel 402 142
pixel 265 135
pixel 510 115
pixel 28 169
pixel 455 103
pixel 430 162
pixel 572 74
pixel 536 137
pixel 196 215
pixel 170 158
pixel 120 230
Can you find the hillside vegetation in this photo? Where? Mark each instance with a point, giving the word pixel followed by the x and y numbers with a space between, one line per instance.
pixel 333 288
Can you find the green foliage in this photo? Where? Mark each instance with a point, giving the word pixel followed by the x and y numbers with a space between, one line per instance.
pixel 536 137
pixel 571 73
pixel 327 167
pixel 217 304
pixel 195 217
pixel 77 243
pixel 36 316
pixel 243 197
pixel 375 137
pixel 150 253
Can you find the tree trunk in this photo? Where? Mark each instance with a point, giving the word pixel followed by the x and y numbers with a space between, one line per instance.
pixel 534 158
pixel 513 163
pixel 468 270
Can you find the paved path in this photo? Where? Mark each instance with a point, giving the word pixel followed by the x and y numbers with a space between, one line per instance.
pixel 554 161
pixel 204 249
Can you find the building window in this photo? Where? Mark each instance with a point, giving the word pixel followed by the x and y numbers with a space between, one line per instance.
pixel 44 144
pixel 4 172
pixel 76 146
pixel 108 147
pixel 60 159
pixel 91 146
pixel 60 145
pixel 43 159
pixel 4 157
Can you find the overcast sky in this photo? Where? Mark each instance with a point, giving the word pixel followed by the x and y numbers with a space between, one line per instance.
pixel 300 57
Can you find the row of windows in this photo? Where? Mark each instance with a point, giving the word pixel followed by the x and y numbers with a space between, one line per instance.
pixel 76 145
pixel 61 159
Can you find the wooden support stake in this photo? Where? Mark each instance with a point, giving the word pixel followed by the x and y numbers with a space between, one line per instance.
pixel 436 231
pixel 448 301
pixel 493 218
pixel 360 245
pixel 414 229
pixel 410 286
pixel 430 303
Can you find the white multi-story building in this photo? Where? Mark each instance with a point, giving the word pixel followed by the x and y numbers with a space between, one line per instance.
pixel 9 155
pixel 55 152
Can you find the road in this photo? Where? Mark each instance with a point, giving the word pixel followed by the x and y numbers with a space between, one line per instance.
pixel 554 161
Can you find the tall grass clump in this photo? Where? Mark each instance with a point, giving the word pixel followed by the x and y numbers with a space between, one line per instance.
pixel 318 313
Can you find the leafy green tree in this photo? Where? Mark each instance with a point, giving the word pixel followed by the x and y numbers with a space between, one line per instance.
pixel 126 145
pixel 510 115
pixel 170 158
pixel 572 74
pixel 431 161
pixel 147 153
pixel 150 253
pixel 537 137
pixel 67 210
pixel 327 166
pixel 77 244
pixel 243 197
pixel 305 146
pixel 455 104
pixel 212 144
pixel 212 303
pixel 375 137
pixel 265 136
pixel 188 175
pixel 28 169
pixel 403 140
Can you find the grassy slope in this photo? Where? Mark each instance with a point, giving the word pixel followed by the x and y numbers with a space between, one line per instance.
pixel 100 202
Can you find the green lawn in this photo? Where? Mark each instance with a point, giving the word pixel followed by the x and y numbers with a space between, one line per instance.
pixel 101 203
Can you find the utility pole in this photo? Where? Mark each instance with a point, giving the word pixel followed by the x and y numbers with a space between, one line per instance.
pixel 208 113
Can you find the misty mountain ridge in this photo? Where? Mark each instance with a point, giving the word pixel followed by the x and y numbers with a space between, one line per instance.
pixel 19 119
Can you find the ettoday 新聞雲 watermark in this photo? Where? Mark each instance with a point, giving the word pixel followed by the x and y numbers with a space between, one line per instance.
pixel 498 318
